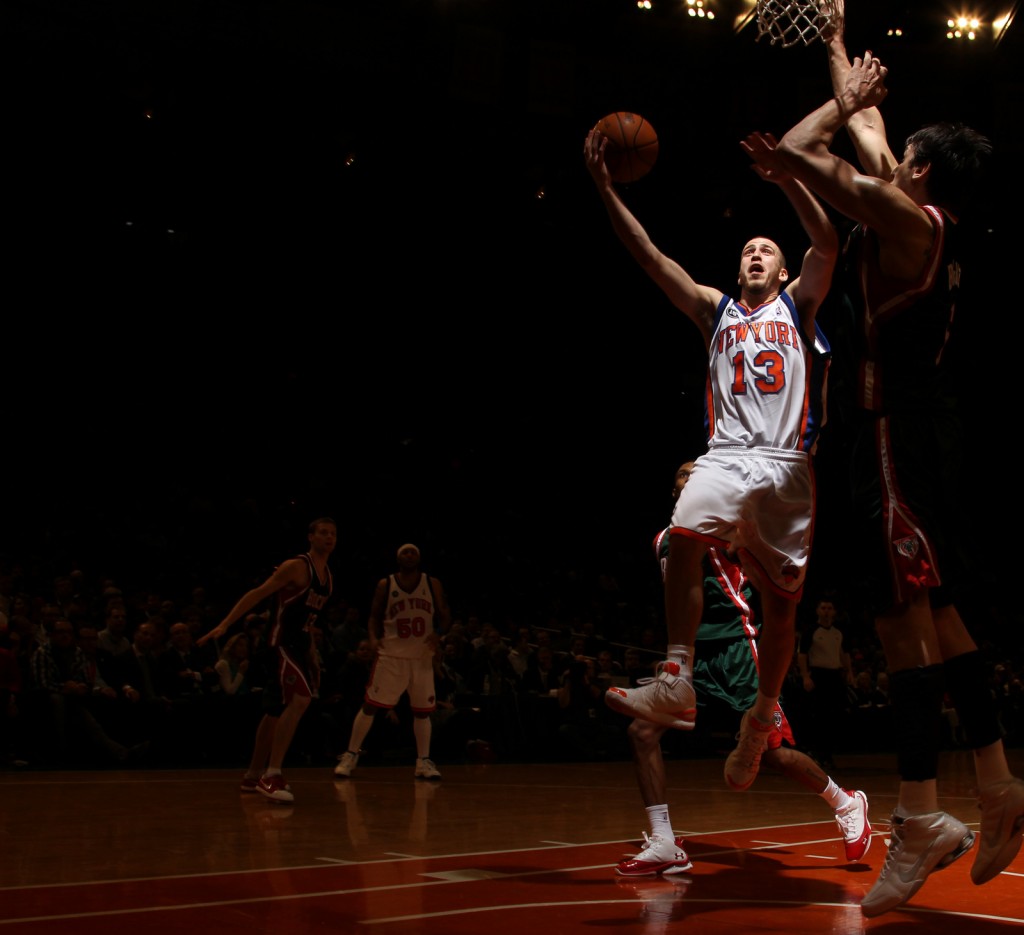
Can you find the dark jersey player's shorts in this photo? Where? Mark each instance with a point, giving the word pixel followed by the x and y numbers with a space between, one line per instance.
pixel 906 507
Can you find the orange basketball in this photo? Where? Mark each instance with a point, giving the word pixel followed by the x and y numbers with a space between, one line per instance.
pixel 632 145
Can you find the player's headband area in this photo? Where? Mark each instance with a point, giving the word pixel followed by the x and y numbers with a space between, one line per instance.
pixel 407 545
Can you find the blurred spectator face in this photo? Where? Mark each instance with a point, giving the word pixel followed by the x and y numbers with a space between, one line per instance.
pixel 21 605
pixel 181 637
pixel 49 614
pixel 193 620
pixel 63 635
pixel 826 611
pixel 145 637
pixel 87 640
pixel 117 620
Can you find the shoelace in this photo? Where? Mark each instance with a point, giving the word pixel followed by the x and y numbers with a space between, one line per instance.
pixel 658 669
pixel 847 819
pixel 895 843
pixel 649 842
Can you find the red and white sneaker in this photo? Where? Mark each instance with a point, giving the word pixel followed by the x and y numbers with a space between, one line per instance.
pixel 853 823
pixel 249 784
pixel 667 699
pixel 275 788
pixel 657 856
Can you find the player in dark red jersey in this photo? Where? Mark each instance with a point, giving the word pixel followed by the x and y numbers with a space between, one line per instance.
pixel 300 586
pixel 903 274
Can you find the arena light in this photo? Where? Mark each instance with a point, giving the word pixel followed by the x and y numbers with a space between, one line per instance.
pixel 1002 22
pixel 748 15
pixel 699 9
pixel 963 27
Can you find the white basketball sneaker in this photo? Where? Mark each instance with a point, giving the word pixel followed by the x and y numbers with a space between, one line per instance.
pixel 667 699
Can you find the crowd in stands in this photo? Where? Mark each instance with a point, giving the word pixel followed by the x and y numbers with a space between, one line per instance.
pixel 96 675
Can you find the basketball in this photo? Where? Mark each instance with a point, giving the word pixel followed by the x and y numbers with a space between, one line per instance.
pixel 632 146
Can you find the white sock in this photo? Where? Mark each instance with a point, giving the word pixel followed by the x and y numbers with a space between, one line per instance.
pixel 683 656
pixel 660 825
pixel 835 796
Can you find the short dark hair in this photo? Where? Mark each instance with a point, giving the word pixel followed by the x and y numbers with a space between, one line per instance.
pixel 322 519
pixel 956 155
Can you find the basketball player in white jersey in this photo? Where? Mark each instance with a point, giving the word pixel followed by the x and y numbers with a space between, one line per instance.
pixel 402 634
pixel 726 672
pixel 753 492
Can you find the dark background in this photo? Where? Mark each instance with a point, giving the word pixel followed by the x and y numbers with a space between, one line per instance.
pixel 269 260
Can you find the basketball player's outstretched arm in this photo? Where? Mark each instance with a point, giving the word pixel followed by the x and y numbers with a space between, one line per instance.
pixel 808 290
pixel 866 127
pixel 697 301
pixel 292 571
pixel 904 229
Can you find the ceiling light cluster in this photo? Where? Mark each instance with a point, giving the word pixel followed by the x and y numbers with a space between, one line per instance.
pixel 700 9
pixel 963 27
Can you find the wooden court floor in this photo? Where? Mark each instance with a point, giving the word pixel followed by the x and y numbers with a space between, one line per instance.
pixel 493 848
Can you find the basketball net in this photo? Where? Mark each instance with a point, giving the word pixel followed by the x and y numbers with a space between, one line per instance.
pixel 793 21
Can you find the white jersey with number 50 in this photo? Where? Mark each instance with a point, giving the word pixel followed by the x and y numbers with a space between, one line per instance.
pixel 408 620
pixel 766 383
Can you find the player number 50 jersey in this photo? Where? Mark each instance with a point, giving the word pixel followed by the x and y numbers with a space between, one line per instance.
pixel 408 620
